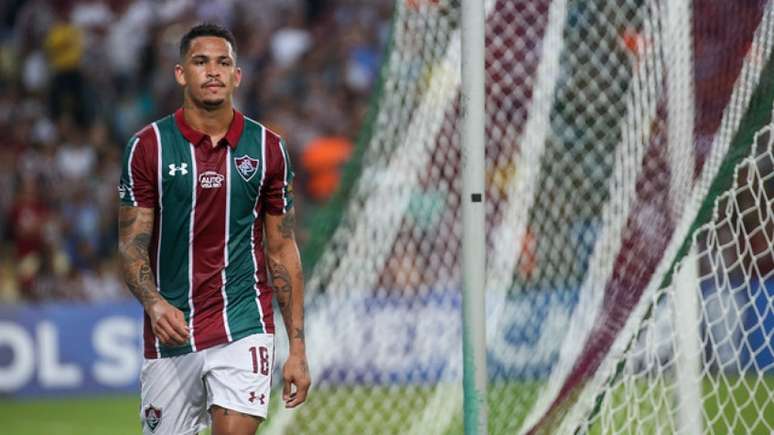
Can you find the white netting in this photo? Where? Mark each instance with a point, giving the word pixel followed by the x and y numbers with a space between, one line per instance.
pixel 705 365
pixel 608 122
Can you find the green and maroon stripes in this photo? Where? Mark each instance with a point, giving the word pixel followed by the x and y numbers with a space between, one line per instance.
pixel 287 194
pixel 177 199
pixel 279 176
pixel 245 269
pixel 207 246
pixel 138 172
pixel 126 188
pixel 139 179
pixel 226 257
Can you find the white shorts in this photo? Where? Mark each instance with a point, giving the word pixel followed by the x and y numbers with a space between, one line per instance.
pixel 177 392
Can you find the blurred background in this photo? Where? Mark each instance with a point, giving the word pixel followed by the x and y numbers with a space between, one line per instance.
pixel 78 78
pixel 614 130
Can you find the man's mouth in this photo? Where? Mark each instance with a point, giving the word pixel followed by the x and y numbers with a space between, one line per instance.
pixel 214 85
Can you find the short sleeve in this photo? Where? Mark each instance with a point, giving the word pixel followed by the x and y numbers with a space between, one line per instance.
pixel 278 193
pixel 137 187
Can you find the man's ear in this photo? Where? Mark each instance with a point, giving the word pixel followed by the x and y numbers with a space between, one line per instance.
pixel 237 77
pixel 179 75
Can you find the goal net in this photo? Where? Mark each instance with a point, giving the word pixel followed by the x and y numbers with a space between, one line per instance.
pixel 630 226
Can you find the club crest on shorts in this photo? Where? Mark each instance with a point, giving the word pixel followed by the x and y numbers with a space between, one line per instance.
pixel 152 417
pixel 246 166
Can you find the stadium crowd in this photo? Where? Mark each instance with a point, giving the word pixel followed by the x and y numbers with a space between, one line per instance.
pixel 78 77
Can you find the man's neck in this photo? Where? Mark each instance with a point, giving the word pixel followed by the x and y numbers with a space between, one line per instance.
pixel 213 123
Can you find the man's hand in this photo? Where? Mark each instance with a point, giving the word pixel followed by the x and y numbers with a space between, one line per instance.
pixel 295 375
pixel 167 322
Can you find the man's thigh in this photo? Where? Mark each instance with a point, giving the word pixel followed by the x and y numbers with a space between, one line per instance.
pixel 229 422
pixel 173 398
pixel 238 379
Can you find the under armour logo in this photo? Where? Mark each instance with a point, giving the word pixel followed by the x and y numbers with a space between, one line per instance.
pixel 183 169
pixel 261 398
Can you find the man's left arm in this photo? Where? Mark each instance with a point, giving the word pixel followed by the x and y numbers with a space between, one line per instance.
pixel 288 281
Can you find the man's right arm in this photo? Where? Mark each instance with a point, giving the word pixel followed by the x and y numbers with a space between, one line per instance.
pixel 135 227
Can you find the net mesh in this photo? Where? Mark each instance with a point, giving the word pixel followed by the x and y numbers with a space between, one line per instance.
pixel 613 130
pixel 717 352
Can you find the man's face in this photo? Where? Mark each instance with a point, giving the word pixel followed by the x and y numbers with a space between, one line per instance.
pixel 208 72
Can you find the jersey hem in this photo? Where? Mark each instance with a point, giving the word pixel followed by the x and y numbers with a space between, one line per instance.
pixel 168 353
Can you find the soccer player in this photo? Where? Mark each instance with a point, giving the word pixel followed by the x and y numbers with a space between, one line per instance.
pixel 199 190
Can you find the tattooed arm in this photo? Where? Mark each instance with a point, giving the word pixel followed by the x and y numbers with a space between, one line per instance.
pixel 135 226
pixel 288 281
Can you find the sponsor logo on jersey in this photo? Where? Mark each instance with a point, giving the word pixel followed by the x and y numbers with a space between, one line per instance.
pixel 122 189
pixel 246 166
pixel 182 169
pixel 211 180
pixel 152 417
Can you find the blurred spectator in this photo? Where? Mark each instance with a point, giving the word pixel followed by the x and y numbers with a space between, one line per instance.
pixel 79 77
pixel 289 43
pixel 321 164
pixel 26 223
pixel 103 283
pixel 64 49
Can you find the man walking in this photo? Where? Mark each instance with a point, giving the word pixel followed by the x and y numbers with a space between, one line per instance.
pixel 199 190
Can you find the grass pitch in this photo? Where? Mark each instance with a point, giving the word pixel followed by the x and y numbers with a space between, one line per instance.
pixel 738 406
pixel 117 415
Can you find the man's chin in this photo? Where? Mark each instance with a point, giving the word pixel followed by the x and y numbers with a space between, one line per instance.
pixel 213 104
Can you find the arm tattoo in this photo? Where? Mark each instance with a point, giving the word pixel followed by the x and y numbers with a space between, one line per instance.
pixel 144 274
pixel 280 279
pixel 142 241
pixel 287 277
pixel 287 224
pixel 135 227
pixel 126 221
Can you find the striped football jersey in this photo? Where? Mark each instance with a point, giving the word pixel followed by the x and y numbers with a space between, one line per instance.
pixel 206 251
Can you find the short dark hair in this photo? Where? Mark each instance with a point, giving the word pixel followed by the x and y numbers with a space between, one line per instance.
pixel 206 29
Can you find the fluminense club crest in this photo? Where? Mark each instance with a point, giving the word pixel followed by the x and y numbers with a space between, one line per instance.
pixel 152 417
pixel 246 166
